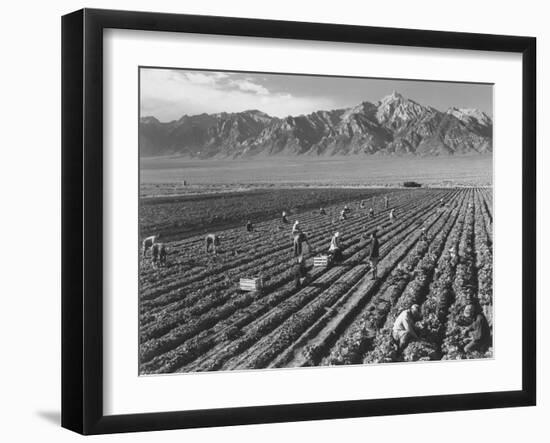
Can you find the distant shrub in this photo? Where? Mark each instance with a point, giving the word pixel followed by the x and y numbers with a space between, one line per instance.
pixel 411 185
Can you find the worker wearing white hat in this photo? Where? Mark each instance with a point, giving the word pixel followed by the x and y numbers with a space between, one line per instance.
pixel 335 249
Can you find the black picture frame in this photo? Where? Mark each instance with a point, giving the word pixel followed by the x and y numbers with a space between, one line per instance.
pixel 82 220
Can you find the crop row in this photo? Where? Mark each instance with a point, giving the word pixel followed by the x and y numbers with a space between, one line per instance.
pixel 210 295
pixel 415 293
pixel 317 342
pixel 326 279
pixel 269 346
pixel 438 300
pixel 465 290
pixel 270 236
pixel 358 338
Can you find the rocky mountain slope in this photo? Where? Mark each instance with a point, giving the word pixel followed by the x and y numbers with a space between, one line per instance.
pixel 393 125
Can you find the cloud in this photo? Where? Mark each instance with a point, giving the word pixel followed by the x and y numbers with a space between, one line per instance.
pixel 249 86
pixel 201 79
pixel 169 94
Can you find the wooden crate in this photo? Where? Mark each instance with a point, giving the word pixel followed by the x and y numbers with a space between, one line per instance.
pixel 251 284
pixel 321 260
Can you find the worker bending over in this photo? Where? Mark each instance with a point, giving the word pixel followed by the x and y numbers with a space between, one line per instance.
pixel 148 243
pixel 298 244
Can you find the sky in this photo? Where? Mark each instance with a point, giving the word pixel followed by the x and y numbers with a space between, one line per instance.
pixel 168 94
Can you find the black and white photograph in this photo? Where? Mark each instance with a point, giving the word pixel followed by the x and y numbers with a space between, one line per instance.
pixel 291 221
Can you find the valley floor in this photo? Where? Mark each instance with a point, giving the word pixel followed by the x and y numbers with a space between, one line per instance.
pixel 166 175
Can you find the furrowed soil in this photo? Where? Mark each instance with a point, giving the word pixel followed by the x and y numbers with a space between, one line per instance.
pixel 194 317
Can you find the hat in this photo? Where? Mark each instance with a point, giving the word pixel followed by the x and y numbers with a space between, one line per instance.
pixel 337 234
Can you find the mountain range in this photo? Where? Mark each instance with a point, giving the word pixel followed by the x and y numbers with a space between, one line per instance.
pixel 393 125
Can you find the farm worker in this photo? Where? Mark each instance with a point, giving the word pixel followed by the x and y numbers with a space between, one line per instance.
pixel 155 249
pixel 371 212
pixel 298 244
pixel 249 226
pixel 441 203
pixel 211 243
pixel 335 249
pixel 362 204
pixel 300 271
pixel 347 209
pixel 284 219
pixel 342 214
pixel 374 254
pixel 162 254
pixel 403 328
pixel 296 228
pixel 478 328
pixel 392 216
pixel 386 202
pixel 322 211
pixel 148 243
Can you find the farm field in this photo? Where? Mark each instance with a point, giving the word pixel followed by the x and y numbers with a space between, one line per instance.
pixel 193 317
pixel 174 216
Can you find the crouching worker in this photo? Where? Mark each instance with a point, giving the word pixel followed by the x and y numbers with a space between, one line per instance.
pixel 478 328
pixel 212 243
pixel 284 218
pixel 403 331
pixel 300 272
pixel 322 211
pixel 335 249
pixel 249 226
